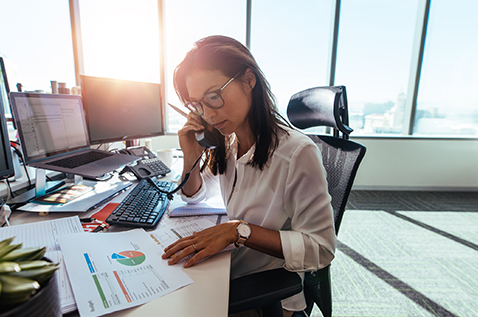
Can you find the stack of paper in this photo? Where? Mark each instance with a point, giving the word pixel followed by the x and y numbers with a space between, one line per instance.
pixel 46 233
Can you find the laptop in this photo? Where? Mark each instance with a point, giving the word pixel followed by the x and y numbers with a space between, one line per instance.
pixel 53 134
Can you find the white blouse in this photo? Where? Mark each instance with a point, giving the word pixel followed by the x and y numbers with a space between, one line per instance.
pixel 289 195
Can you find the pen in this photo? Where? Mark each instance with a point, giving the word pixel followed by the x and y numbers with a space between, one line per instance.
pixel 87 219
pixel 101 227
pixel 184 114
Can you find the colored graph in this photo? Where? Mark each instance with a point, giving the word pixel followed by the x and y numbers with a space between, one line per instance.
pixel 129 258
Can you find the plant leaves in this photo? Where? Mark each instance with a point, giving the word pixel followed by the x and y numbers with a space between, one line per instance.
pixel 9 267
pixel 25 254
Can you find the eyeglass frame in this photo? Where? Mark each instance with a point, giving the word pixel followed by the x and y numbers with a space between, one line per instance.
pixel 201 101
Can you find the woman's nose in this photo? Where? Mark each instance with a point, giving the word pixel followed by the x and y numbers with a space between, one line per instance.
pixel 208 113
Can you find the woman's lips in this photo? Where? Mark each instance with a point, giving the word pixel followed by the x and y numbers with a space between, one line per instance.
pixel 219 125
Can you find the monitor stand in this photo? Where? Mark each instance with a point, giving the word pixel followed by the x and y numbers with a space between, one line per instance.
pixel 129 143
pixel 41 188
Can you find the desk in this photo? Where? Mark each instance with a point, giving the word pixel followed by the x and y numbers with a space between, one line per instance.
pixel 207 296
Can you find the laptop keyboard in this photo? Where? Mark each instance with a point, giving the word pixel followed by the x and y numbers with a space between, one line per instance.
pixel 143 207
pixel 79 160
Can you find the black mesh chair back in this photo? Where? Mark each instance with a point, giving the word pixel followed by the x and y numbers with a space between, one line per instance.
pixel 341 159
pixel 327 106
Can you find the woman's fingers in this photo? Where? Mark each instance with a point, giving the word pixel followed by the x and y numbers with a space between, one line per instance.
pixel 175 258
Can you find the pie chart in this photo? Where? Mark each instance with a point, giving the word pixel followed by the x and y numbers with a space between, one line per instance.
pixel 129 258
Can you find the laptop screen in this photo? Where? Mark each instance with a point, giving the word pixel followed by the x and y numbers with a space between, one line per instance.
pixel 49 124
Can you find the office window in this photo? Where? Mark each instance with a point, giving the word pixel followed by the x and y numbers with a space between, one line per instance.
pixel 36 43
pixel 186 22
pixel 373 62
pixel 447 102
pixel 121 39
pixel 290 41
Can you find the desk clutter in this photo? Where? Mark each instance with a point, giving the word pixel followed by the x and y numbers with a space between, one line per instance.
pixel 102 273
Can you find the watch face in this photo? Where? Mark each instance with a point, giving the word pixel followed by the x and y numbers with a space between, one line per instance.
pixel 244 230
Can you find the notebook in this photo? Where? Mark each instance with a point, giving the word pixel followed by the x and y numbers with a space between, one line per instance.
pixel 53 134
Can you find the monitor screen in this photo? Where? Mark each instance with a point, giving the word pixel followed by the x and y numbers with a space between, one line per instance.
pixel 4 87
pixel 49 124
pixel 6 163
pixel 121 110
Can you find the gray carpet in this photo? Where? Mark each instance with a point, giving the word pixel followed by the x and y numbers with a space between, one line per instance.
pixel 406 263
pixel 412 200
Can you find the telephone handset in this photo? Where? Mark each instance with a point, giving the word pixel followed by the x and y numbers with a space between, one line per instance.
pixel 142 151
pixel 205 138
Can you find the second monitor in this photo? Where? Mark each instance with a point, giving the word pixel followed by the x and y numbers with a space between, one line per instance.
pixel 121 110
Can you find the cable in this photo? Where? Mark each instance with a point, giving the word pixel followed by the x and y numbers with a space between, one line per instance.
pixel 10 192
pixel 14 145
pixel 186 178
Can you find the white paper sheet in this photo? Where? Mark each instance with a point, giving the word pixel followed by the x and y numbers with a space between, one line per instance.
pixel 45 233
pixel 114 271
pixel 172 229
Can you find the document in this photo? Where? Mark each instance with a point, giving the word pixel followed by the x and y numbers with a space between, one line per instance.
pixel 212 206
pixel 45 233
pixel 101 193
pixel 114 271
pixel 171 230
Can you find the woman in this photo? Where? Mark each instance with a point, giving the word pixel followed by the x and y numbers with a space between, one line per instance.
pixel 270 176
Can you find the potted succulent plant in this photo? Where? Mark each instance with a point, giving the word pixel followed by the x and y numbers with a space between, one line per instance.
pixel 28 285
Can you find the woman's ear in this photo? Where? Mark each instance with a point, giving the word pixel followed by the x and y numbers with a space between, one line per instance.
pixel 250 78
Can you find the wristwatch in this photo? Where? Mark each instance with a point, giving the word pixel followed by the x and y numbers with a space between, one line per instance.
pixel 243 233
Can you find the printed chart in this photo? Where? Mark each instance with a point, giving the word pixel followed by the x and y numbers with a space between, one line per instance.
pixel 129 258
pixel 114 271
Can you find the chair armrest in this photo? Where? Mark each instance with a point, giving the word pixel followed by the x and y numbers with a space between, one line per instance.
pixel 262 289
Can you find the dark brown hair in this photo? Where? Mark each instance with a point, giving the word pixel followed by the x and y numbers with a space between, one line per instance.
pixel 231 57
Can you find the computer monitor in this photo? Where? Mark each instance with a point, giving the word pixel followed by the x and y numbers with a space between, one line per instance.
pixel 4 87
pixel 6 163
pixel 121 110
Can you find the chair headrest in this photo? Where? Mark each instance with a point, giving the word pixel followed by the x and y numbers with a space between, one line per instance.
pixel 320 106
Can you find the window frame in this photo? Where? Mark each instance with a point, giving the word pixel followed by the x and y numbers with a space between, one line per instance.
pixel 414 74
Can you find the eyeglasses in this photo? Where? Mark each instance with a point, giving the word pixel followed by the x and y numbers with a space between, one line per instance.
pixel 212 99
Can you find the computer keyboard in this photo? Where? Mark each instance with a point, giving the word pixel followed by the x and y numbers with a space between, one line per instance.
pixel 143 207
pixel 79 160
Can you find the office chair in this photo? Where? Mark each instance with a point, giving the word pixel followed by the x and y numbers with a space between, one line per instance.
pixel 320 106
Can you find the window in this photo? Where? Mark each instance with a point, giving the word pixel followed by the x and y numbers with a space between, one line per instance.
pixel 447 103
pixel 186 22
pixel 36 43
pixel 373 61
pixel 121 39
pixel 290 42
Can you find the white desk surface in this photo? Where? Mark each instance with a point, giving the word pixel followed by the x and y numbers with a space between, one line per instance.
pixel 207 296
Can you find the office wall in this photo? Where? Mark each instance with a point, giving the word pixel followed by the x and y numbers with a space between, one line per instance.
pixel 407 164
pixel 418 164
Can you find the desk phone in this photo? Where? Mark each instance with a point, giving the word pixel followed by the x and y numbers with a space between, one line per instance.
pixel 148 166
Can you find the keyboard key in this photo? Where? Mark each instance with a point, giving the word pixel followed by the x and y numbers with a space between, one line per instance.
pixel 143 207
pixel 79 160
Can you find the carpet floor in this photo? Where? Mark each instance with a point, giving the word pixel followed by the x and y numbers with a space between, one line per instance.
pixel 399 261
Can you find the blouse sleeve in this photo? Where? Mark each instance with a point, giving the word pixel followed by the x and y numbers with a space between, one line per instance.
pixel 310 244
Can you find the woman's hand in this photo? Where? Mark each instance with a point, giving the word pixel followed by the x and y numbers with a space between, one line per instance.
pixel 202 244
